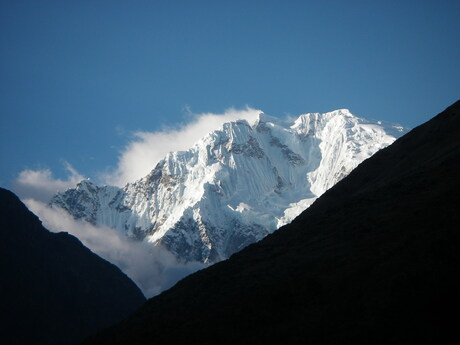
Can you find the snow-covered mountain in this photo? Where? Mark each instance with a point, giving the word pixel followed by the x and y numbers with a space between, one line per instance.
pixel 235 185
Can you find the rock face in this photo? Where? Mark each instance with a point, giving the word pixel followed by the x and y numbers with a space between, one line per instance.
pixel 373 261
pixel 53 289
pixel 235 185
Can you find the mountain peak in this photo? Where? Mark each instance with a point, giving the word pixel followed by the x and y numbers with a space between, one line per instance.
pixel 343 112
pixel 235 185
pixel 86 183
pixel 268 118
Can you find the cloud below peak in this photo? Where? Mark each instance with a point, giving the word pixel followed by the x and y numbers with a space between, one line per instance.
pixel 153 268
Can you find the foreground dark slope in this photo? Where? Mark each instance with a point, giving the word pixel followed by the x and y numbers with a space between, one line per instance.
pixel 373 261
pixel 53 289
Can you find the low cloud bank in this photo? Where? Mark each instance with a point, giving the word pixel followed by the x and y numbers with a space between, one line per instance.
pixel 153 268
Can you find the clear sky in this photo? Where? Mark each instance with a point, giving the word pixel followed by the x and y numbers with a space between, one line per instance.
pixel 77 77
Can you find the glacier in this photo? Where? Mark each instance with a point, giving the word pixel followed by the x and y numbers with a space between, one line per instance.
pixel 235 185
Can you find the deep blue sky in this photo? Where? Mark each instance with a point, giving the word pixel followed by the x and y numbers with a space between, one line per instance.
pixel 76 76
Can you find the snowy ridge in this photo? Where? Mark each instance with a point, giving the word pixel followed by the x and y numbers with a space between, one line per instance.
pixel 235 185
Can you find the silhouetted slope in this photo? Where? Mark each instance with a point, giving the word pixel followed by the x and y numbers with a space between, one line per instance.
pixel 53 289
pixel 375 260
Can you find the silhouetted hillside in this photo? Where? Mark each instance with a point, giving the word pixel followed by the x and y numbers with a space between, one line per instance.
pixel 53 289
pixel 375 260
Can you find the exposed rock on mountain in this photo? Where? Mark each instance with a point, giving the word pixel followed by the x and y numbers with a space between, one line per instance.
pixel 374 260
pixel 53 289
pixel 234 186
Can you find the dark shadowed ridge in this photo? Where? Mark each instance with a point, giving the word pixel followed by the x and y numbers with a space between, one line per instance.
pixel 53 289
pixel 375 260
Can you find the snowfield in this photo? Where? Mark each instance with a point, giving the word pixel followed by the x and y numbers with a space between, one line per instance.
pixel 235 185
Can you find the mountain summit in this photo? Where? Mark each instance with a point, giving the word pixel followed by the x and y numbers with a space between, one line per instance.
pixel 235 185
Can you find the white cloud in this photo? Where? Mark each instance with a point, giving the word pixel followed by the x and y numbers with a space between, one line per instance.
pixel 141 155
pixel 153 268
pixel 41 185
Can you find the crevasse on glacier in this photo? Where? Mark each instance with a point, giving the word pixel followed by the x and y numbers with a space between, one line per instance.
pixel 235 185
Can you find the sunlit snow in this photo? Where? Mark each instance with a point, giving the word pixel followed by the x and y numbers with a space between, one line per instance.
pixel 235 185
